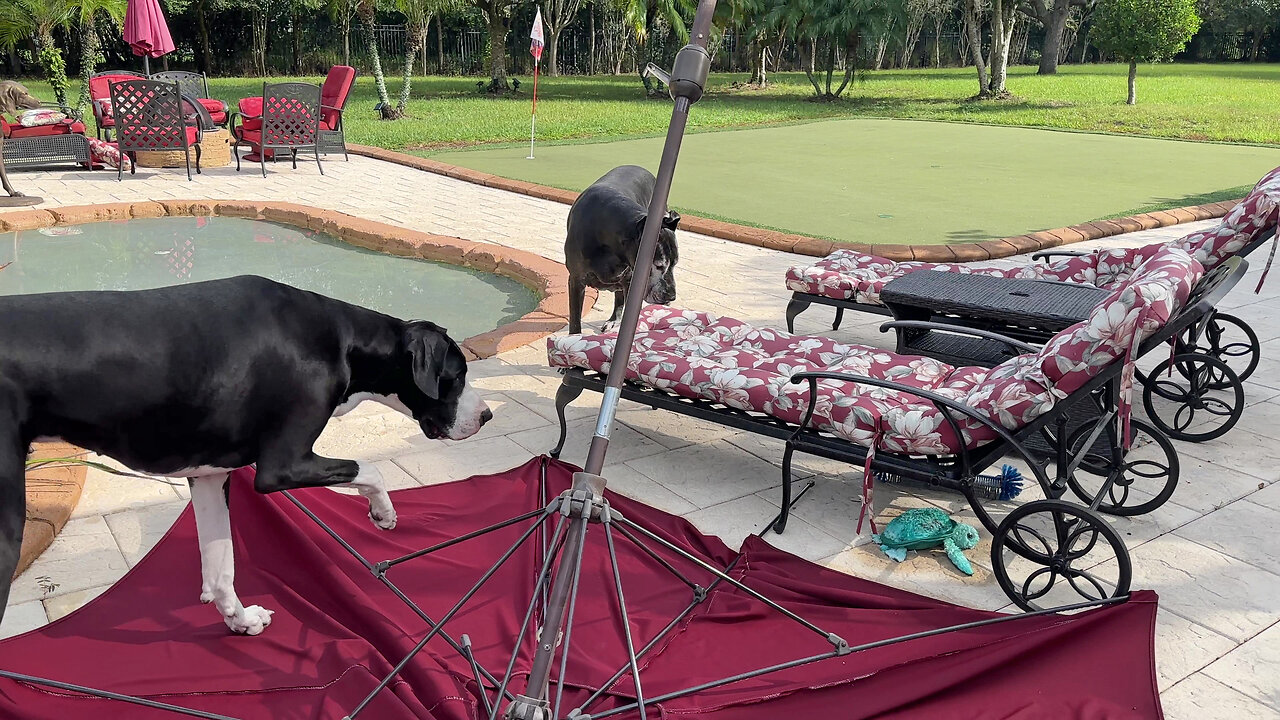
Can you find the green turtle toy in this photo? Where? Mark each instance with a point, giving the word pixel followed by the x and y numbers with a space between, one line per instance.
pixel 924 528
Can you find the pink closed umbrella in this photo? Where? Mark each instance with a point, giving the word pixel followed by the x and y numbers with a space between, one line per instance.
pixel 146 31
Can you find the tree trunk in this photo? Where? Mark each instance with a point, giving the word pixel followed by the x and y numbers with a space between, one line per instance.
pixel 1256 46
pixel 882 45
pixel 415 36
pixel 296 37
pixel 810 67
pixel 88 59
pixel 368 14
pixel 937 41
pixel 830 65
pixel 1004 19
pixel 439 45
pixel 591 42
pixel 553 52
pixel 973 32
pixel 1055 24
pixel 497 47
pixel 206 49
pixel 1133 83
pixel 346 39
pixel 850 62
pixel 259 21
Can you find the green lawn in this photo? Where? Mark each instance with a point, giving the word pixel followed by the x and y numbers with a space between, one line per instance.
pixel 1232 103
pixel 866 179
pixel 895 181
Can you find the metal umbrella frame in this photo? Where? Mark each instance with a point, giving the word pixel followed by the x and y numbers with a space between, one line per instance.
pixel 575 512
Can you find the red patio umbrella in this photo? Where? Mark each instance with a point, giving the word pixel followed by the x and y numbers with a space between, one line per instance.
pixel 146 31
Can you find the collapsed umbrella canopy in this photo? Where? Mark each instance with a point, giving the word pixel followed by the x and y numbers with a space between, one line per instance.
pixel 146 31
pixel 336 631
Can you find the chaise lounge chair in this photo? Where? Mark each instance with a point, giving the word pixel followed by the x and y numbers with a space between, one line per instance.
pixel 847 279
pixel 912 418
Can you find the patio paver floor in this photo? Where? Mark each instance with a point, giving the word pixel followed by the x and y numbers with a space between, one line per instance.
pixel 1218 642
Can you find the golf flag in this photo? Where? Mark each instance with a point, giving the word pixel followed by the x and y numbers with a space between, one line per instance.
pixel 536 41
pixel 536 44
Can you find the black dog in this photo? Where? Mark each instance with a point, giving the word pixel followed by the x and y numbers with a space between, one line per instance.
pixel 605 224
pixel 191 381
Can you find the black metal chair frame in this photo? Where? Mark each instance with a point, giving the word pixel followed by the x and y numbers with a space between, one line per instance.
pixel 105 133
pixel 180 108
pixel 958 472
pixel 193 86
pixel 292 89
pixel 336 139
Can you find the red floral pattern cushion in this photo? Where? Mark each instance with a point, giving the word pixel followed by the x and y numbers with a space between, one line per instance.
pixel 699 355
pixel 851 275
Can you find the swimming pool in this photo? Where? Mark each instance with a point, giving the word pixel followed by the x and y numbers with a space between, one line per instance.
pixel 147 253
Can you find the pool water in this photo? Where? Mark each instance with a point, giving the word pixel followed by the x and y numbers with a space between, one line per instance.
pixel 143 254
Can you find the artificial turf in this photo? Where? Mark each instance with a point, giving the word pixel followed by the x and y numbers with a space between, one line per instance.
pixel 896 181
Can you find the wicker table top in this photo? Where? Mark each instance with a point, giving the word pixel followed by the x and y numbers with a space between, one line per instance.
pixel 1040 304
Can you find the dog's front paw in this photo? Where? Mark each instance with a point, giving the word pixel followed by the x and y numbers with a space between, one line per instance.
pixel 610 326
pixel 251 621
pixel 383 514
pixel 206 595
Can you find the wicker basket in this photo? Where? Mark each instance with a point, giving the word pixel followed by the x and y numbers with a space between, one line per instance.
pixel 215 147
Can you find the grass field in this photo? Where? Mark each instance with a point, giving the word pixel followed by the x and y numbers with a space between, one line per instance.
pixel 894 181
pixel 1231 103
pixel 836 180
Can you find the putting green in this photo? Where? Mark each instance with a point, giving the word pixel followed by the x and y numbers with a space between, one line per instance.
pixel 900 181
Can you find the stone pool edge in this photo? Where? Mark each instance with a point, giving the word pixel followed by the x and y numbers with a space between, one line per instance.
pixel 817 247
pixel 546 277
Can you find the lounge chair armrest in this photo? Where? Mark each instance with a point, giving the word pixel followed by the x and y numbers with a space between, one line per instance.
pixel 942 403
pixel 1046 254
pixel 959 330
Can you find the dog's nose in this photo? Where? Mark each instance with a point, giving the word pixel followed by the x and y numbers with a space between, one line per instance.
pixel 486 416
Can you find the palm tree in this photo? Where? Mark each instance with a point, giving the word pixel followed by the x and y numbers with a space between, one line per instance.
pixel 36 20
pixel 839 26
pixel 417 20
pixel 368 13
pixel 86 14
pixel 641 15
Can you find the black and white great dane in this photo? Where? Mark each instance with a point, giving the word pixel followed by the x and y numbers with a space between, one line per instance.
pixel 195 380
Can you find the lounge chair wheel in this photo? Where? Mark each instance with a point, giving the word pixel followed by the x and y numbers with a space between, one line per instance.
pixel 1232 341
pixel 1049 553
pixel 1141 480
pixel 1201 401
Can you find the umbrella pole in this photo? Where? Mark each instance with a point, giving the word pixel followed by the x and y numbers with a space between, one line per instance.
pixel 146 65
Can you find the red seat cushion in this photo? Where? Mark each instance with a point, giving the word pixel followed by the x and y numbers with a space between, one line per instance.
pixel 251 109
pixel 100 87
pixel 62 128
pixel 333 94
pixel 161 141
pixel 213 106
pixel 219 118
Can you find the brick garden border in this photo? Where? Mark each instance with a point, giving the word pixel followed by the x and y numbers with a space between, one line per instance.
pixel 52 493
pixel 817 247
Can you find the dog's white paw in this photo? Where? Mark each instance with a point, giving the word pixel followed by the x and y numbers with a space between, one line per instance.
pixel 252 621
pixel 206 595
pixel 385 520
pixel 610 326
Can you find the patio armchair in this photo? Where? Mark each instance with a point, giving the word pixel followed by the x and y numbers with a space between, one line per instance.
pixel 286 117
pixel 63 141
pixel 100 98
pixel 151 115
pixel 333 98
pixel 195 86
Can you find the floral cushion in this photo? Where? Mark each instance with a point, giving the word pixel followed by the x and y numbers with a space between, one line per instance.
pixel 105 153
pixel 41 116
pixel 699 355
pixel 851 275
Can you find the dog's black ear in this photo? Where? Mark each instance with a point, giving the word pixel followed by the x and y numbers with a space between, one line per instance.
pixel 429 346
pixel 671 220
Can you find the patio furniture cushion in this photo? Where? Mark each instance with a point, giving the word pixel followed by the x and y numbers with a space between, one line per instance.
pixel 852 275
pixel 333 94
pixel 699 355
pixel 162 141
pixel 63 127
pixel 251 109
pixel 216 108
pixel 41 116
